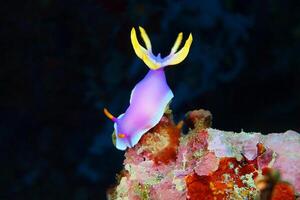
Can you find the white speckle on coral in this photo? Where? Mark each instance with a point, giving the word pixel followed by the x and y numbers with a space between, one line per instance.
pixel 236 171
pixel 179 184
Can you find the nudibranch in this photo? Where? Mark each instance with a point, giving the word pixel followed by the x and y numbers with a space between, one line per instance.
pixel 150 97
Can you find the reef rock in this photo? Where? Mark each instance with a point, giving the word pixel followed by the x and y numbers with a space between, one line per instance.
pixel 209 164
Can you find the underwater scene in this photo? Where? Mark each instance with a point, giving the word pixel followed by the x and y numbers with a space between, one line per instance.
pixel 150 100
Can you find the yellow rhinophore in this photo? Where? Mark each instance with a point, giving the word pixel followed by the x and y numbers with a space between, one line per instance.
pixel 180 55
pixel 156 62
pixel 177 43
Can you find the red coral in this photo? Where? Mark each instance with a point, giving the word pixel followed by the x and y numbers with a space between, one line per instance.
pixel 161 142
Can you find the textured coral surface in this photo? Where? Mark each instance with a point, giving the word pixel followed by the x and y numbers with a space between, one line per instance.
pixel 209 164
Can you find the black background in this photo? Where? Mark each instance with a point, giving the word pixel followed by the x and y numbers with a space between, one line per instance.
pixel 63 61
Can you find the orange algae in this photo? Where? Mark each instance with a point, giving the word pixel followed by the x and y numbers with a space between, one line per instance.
pixel 198 187
pixel 161 142
pixel 220 184
pixel 283 191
